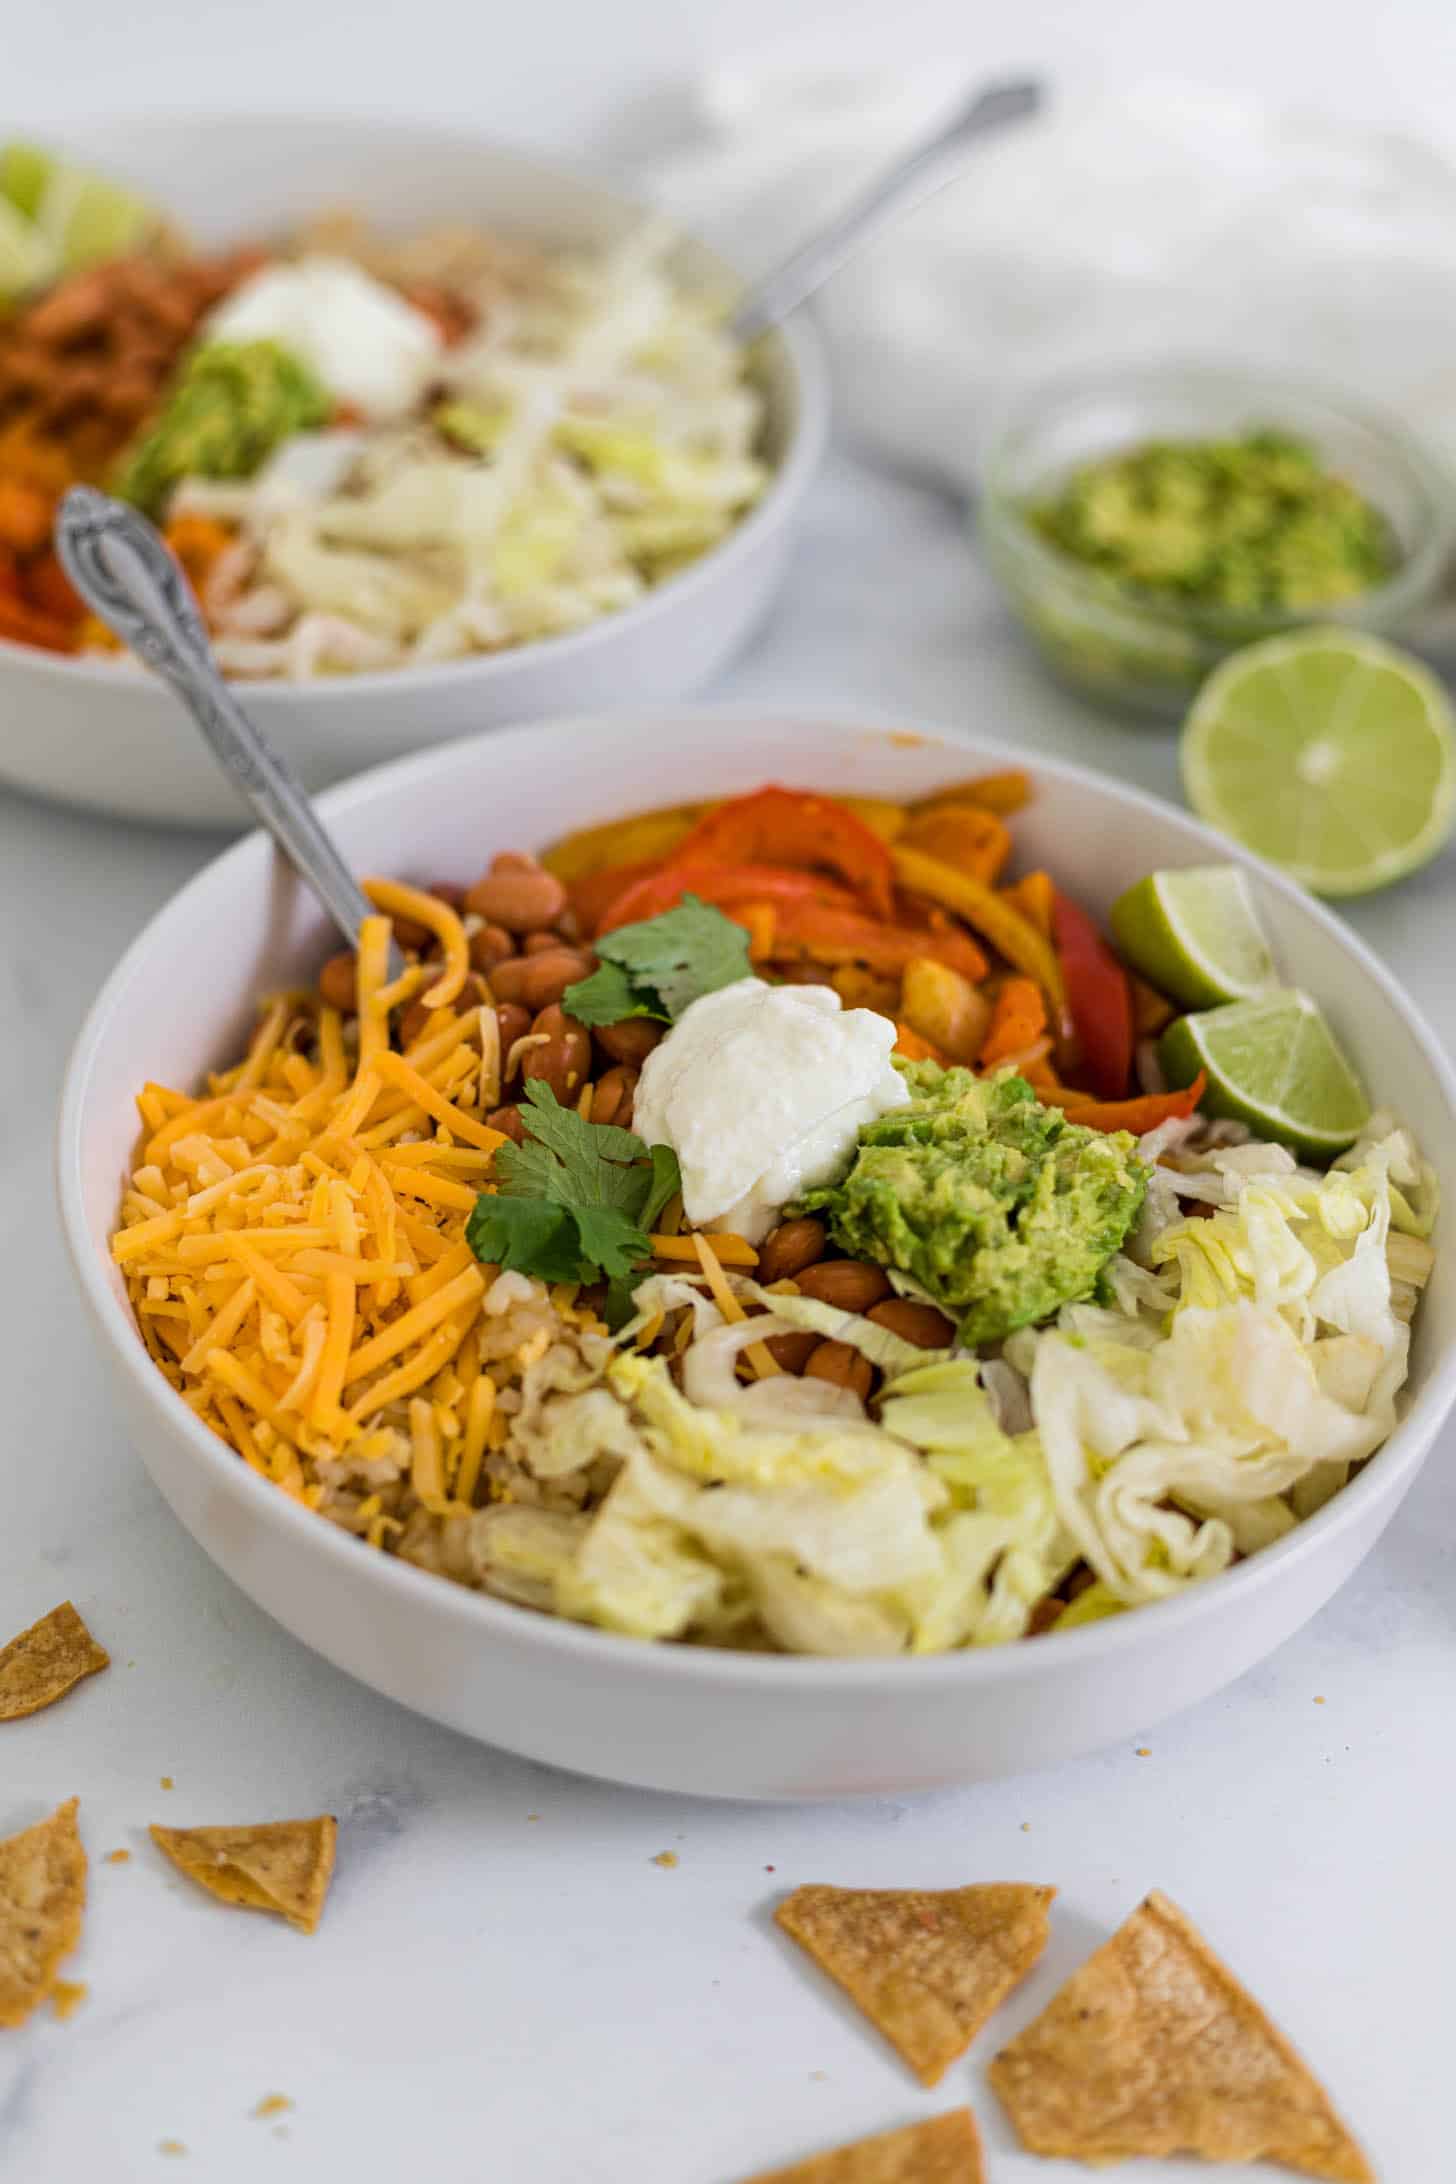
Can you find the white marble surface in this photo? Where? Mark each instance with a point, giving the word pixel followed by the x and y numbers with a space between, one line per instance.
pixel 505 1986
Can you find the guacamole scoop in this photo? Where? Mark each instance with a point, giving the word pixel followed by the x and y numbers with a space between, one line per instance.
pixel 998 1207
pixel 235 403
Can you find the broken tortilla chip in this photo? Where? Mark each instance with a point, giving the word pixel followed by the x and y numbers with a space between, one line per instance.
pixel 42 1896
pixel 42 1664
pixel 927 1966
pixel 277 1865
pixel 943 2150
pixel 1153 2047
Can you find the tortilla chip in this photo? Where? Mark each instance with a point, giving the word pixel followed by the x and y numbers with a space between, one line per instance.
pixel 42 1664
pixel 1153 2047
pixel 943 2150
pixel 927 1966
pixel 42 1896
pixel 277 1865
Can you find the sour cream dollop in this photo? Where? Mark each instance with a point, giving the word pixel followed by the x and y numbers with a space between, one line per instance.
pixel 369 347
pixel 760 1091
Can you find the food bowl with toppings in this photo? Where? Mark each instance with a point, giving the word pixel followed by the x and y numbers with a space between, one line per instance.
pixel 445 438
pixel 1145 523
pixel 845 1284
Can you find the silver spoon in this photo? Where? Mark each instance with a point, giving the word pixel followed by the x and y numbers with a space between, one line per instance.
pixel 917 174
pixel 129 576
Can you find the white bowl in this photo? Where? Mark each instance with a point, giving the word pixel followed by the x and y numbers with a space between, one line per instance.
pixel 113 738
pixel 686 1718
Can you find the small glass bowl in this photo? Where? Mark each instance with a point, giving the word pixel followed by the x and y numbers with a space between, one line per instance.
pixel 1149 654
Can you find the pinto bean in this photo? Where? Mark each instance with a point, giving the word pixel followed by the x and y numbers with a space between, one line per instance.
pixel 563 1060
pixel 519 894
pixel 491 945
pixel 514 1022
pixel 537 980
pixel 850 1285
pixel 508 1121
pixel 630 1041
pixel 792 1351
pixel 791 1247
pixel 336 982
pixel 540 943
pixel 613 1096
pixel 843 1366
pixel 914 1322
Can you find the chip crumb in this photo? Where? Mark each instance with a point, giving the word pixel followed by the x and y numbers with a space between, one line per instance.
pixel 170 2146
pixel 1145 1751
pixel 927 1966
pixel 820 2077
pixel 67 1995
pixel 1319 1702
pixel 1026 1827
pixel 533 1816
pixel 118 1857
pixel 665 1858
pixel 770 1869
pixel 273 2104
pixel 168 1783
pixel 47 1661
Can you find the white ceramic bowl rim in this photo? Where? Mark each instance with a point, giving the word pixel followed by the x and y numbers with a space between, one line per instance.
pixel 787 476
pixel 715 1666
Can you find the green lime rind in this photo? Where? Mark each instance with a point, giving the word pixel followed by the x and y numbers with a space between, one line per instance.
pixel 27 260
pixel 1274 1064
pixel 87 218
pixel 24 172
pixel 1330 753
pixel 1195 935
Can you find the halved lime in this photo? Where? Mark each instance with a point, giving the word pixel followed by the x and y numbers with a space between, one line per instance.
pixel 1272 1063
pixel 1195 935
pixel 26 258
pixel 1330 753
pixel 86 218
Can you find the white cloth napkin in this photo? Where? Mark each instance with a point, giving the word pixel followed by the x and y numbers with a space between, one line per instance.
pixel 1166 220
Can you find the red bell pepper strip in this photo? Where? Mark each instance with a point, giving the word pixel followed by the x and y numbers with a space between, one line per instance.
pixel 791 827
pixel 1139 1115
pixel 1099 996
pixel 722 885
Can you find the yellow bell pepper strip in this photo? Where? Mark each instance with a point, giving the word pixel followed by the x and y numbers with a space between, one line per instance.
pixel 1002 793
pixel 647 838
pixel 1009 931
pixel 964 835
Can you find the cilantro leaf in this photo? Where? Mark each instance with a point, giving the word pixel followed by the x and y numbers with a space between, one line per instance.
pixel 608 997
pixel 575 1201
pixel 657 968
pixel 525 1235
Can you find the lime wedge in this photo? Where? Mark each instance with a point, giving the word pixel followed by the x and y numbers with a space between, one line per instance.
pixel 1195 935
pixel 1328 752
pixel 24 172
pixel 85 218
pixel 1272 1063
pixel 26 258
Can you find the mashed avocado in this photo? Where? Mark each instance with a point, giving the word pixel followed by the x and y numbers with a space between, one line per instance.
pixel 1255 523
pixel 235 402
pixel 998 1207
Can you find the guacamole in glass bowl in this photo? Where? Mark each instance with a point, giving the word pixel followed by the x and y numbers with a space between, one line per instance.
pixel 1146 523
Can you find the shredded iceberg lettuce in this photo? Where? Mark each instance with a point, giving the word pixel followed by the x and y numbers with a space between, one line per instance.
pixel 1244 1356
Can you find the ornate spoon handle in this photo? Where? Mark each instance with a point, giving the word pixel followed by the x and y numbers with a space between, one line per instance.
pixel 127 575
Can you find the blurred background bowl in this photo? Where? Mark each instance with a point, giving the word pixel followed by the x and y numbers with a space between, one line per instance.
pixel 1146 653
pixel 107 736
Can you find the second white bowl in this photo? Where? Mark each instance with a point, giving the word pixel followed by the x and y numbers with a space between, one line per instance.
pixel 113 738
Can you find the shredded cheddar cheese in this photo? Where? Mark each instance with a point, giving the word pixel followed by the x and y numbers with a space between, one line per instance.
pixel 293 1240
pixel 758 1357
